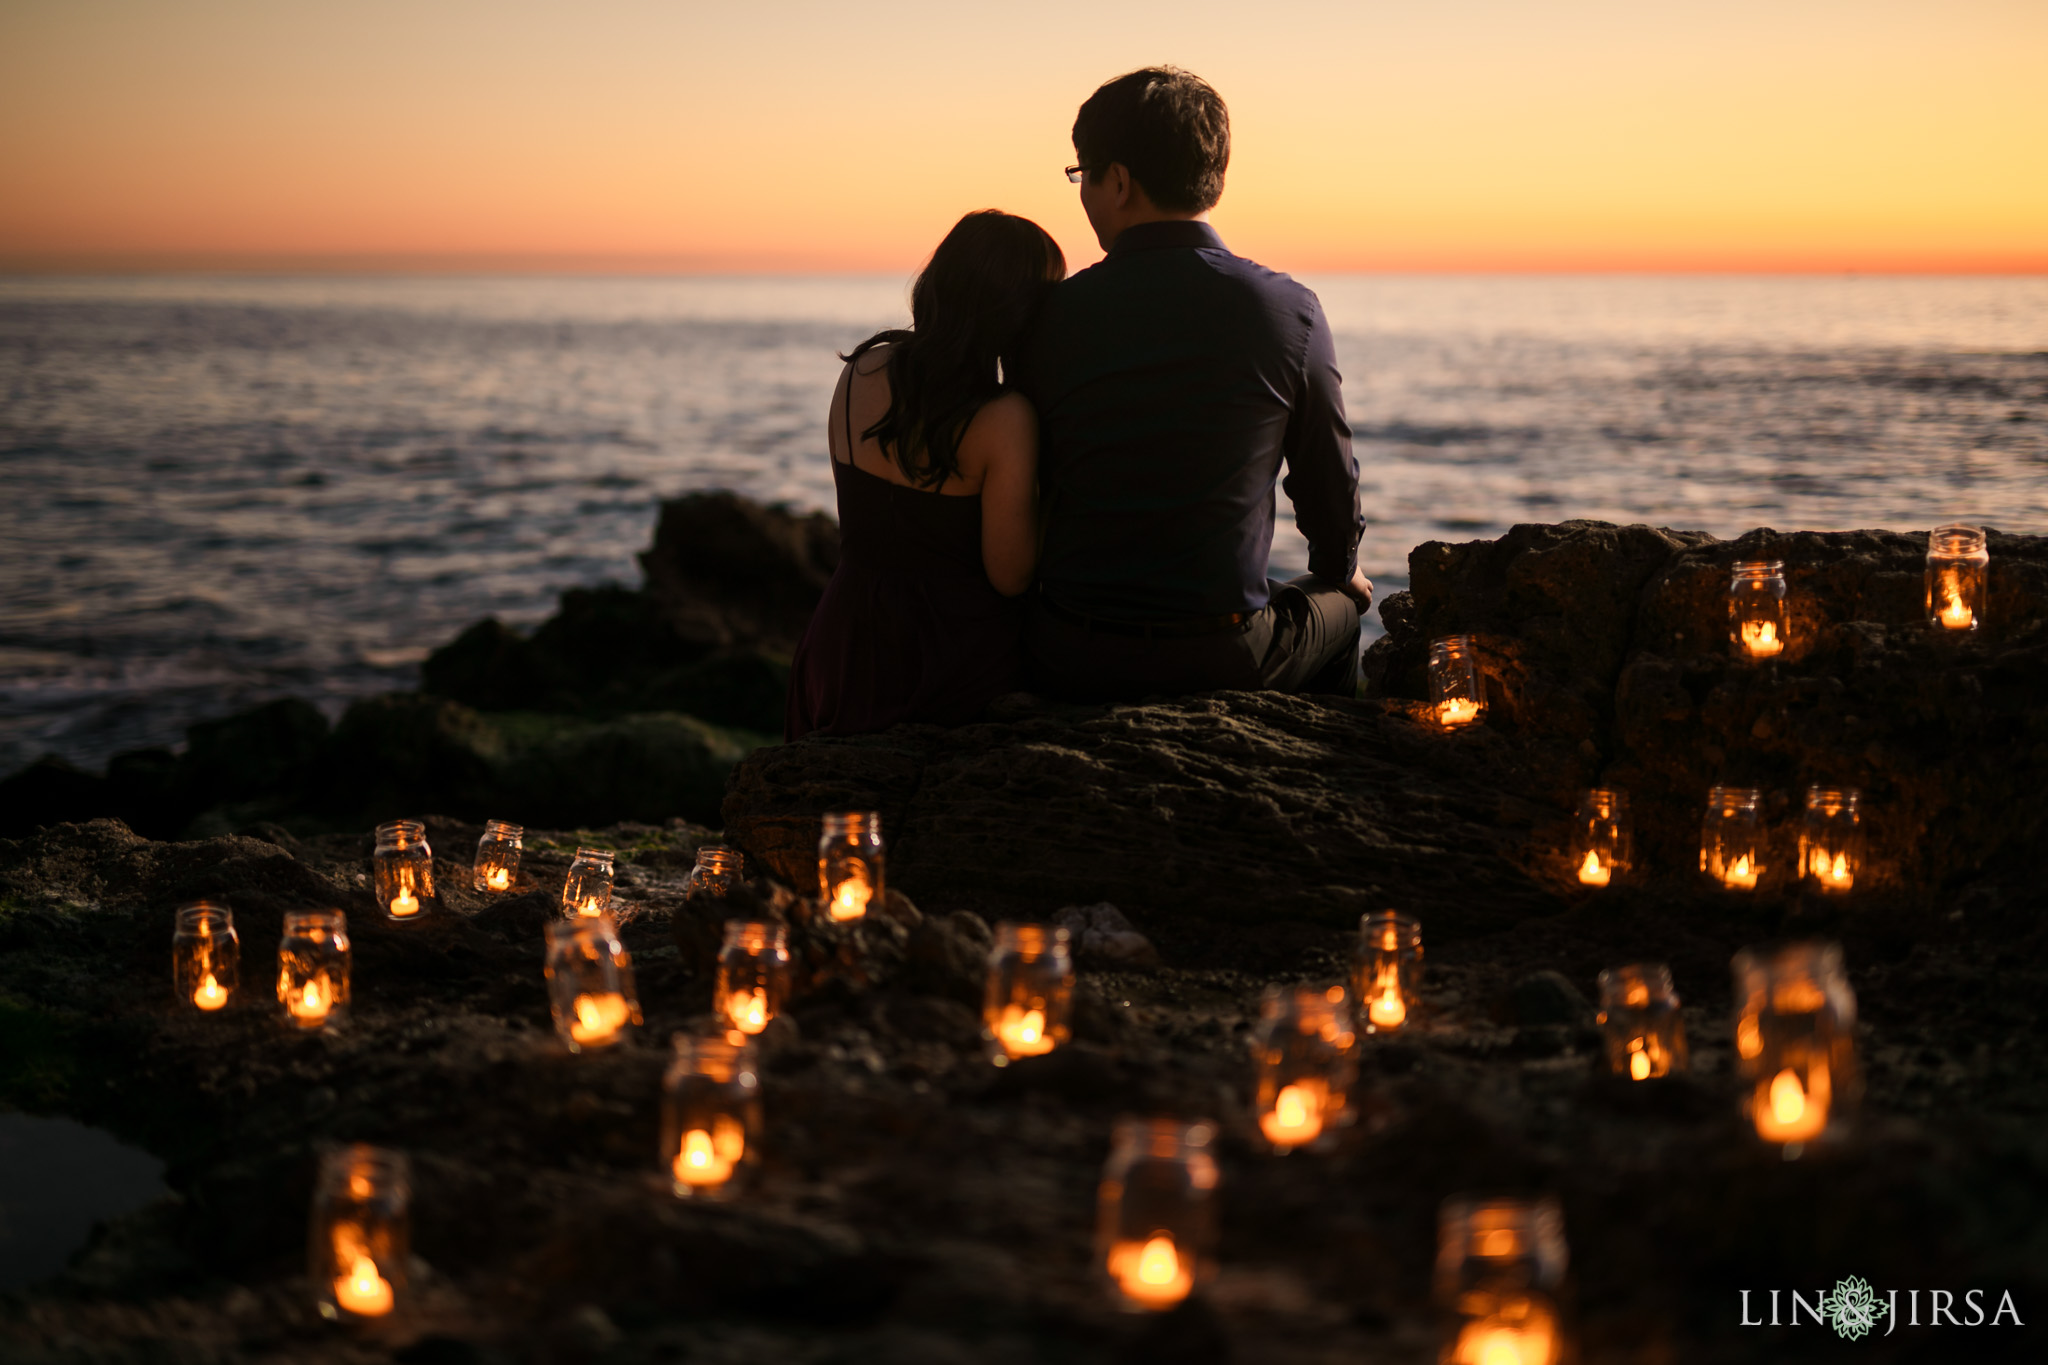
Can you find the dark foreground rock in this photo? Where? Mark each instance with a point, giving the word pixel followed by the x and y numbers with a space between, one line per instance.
pixel 916 1204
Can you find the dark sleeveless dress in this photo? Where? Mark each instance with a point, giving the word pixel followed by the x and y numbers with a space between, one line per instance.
pixel 909 628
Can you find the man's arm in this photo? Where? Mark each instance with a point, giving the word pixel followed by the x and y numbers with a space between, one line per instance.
pixel 1322 476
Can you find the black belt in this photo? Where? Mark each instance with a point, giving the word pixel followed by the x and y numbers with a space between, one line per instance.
pixel 1144 630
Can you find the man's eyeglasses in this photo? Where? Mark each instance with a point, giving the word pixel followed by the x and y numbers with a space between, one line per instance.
pixel 1074 174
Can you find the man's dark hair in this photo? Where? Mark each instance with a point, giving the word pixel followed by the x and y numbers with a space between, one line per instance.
pixel 1168 128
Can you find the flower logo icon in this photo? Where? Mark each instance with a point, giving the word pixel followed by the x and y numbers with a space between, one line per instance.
pixel 1853 1308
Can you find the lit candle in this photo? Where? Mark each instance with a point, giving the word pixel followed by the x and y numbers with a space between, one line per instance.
pixel 1022 1032
pixel 598 1017
pixel 1489 1341
pixel 590 908
pixel 311 1003
pixel 209 995
pixel 363 1291
pixel 708 1157
pixel 849 900
pixel 1297 1113
pixel 748 1010
pixel 1833 874
pixel 1457 710
pixel 1760 638
pixel 1592 872
pixel 1955 612
pixel 1386 1008
pixel 1740 876
pixel 1787 1111
pixel 404 905
pixel 499 879
pixel 1150 1273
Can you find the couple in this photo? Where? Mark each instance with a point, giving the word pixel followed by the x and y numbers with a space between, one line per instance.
pixel 1066 485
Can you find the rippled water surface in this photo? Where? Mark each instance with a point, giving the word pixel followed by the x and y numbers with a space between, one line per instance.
pixel 219 491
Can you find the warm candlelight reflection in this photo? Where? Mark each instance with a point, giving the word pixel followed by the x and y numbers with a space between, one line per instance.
pixel 1150 1273
pixel 1456 687
pixel 1958 577
pixel 1731 837
pixel 1831 837
pixel 205 955
pixel 710 1108
pixel 590 983
pixel 753 974
pixel 313 967
pixel 359 1233
pixel 1641 1022
pixel 497 856
pixel 851 855
pixel 587 889
pixel 1305 1050
pixel 1030 986
pixel 1759 625
pixel 1500 1265
pixel 1387 968
pixel 402 869
pixel 1794 1040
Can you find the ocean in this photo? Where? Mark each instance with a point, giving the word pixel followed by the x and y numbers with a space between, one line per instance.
pixel 222 490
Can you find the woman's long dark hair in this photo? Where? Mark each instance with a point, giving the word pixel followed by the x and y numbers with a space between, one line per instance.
pixel 969 312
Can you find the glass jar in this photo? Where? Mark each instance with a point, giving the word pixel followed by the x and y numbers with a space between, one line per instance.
pixel 1500 1265
pixel 1387 969
pixel 1306 1064
pixel 850 860
pixel 1732 837
pixel 1831 838
pixel 590 983
pixel 1958 577
pixel 1640 1019
pixel 587 891
pixel 1156 1212
pixel 1759 626
pixel 497 856
pixel 402 870
pixel 753 974
pixel 710 1115
pixel 313 967
pixel 1795 1041
pixel 1601 845
pixel 359 1237
pixel 206 957
pixel 719 872
pixel 1030 990
pixel 1455 684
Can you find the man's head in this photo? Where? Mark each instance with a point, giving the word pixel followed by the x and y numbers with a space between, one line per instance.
pixel 1152 145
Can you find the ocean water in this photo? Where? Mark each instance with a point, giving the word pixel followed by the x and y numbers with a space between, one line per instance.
pixel 219 491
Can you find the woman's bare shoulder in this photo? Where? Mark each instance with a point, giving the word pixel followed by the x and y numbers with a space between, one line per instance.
pixel 1008 413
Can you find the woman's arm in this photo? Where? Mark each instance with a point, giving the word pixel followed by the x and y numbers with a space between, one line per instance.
pixel 1003 440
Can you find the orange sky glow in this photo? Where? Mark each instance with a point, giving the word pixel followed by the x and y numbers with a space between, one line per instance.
pixel 630 135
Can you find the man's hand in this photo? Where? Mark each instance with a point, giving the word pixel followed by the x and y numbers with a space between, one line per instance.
pixel 1359 590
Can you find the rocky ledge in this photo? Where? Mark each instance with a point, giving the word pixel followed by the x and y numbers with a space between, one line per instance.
pixel 915 1203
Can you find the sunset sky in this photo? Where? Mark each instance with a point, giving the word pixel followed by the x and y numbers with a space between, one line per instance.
pixel 613 135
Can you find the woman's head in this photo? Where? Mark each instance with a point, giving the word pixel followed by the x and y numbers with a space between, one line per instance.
pixel 970 310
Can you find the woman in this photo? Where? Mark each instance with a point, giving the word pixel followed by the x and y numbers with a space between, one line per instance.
pixel 936 464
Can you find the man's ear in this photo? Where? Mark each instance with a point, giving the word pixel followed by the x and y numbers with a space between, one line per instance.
pixel 1120 183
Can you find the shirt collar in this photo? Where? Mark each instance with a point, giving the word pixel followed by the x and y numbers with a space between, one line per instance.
pixel 1181 232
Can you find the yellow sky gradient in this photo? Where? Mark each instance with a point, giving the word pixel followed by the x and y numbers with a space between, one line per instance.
pixel 1450 135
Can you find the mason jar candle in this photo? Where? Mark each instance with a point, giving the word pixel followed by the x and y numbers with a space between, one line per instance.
pixel 1732 837
pixel 850 862
pixel 359 1237
pixel 587 891
pixel 1759 626
pixel 206 957
pixel 497 856
pixel 1303 1047
pixel 1500 1265
pixel 710 1114
pixel 1831 838
pixel 1641 1022
pixel 719 871
pixel 1030 990
pixel 313 960
pixel 1601 847
pixel 1795 1041
pixel 1958 577
pixel 590 983
pixel 1156 1212
pixel 1387 969
pixel 1456 686
pixel 753 974
pixel 402 870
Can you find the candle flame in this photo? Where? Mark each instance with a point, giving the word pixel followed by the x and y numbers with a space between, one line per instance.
pixel 310 1003
pixel 1297 1114
pixel 748 1010
pixel 498 879
pixel 210 995
pixel 1788 1111
pixel 1592 872
pixel 1832 873
pixel 707 1157
pixel 598 1017
pixel 1638 1061
pixel 1153 1274
pixel 1158 1263
pixel 362 1290
pixel 1760 638
pixel 404 904
pixel 1386 1008
pixel 1021 1031
pixel 1453 711
pixel 849 899
pixel 1788 1098
pixel 589 907
pixel 1955 613
pixel 1741 874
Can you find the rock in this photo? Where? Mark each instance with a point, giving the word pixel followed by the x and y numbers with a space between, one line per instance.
pixel 724 571
pixel 259 752
pixel 1101 937
pixel 50 791
pixel 1546 998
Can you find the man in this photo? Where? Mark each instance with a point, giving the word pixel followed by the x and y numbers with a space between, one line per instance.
pixel 1172 380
